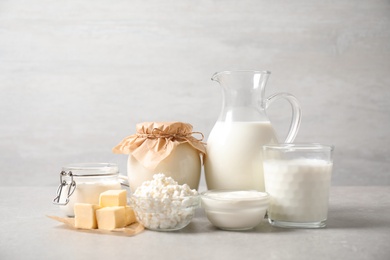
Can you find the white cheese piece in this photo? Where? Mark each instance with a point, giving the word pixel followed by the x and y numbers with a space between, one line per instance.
pixel 109 218
pixel 85 215
pixel 112 198
pixel 130 216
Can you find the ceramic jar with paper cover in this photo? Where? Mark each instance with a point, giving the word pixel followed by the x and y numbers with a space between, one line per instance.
pixel 163 147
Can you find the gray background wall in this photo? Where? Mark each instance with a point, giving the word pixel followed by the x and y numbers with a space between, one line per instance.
pixel 76 76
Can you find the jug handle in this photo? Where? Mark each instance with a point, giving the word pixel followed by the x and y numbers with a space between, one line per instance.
pixel 296 113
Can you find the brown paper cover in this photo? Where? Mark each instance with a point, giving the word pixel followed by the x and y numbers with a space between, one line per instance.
pixel 154 141
pixel 131 230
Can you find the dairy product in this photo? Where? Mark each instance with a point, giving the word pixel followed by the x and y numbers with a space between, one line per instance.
pixel 110 214
pixel 235 210
pixel 109 218
pixel 112 198
pixel 299 189
pixel 183 165
pixel 129 216
pixel 235 199
pixel 85 215
pixel 163 204
pixel 234 155
pixel 88 191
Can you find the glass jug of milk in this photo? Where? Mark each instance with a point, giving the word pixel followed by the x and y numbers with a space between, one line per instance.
pixel 234 147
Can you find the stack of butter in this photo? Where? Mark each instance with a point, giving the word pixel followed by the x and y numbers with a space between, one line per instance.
pixel 112 212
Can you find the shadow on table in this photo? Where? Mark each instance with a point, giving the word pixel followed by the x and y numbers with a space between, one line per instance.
pixel 204 226
pixel 340 217
pixel 358 218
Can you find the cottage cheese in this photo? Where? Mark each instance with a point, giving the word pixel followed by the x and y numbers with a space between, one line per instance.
pixel 163 204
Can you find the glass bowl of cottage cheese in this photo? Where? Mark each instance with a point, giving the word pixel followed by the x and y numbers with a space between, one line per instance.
pixel 161 204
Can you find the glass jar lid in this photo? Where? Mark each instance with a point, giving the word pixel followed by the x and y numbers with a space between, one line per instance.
pixel 68 184
pixel 92 169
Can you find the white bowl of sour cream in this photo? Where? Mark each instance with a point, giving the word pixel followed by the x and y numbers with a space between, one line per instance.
pixel 235 209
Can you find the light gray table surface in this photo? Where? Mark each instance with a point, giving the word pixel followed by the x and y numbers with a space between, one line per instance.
pixel 358 228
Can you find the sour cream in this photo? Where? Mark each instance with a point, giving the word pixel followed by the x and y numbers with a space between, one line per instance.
pixel 233 209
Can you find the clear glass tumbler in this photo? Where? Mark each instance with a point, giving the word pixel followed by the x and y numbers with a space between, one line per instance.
pixel 297 178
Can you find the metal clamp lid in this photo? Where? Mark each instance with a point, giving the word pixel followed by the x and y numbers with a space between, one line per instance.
pixel 71 186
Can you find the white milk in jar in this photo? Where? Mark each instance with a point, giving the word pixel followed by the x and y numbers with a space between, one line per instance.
pixel 299 189
pixel 234 155
pixel 183 165
pixel 163 147
pixel 83 183
pixel 88 191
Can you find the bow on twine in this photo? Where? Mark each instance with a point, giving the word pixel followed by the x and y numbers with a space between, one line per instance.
pixel 154 142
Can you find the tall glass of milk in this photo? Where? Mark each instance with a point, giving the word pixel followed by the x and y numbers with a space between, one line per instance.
pixel 234 146
pixel 297 179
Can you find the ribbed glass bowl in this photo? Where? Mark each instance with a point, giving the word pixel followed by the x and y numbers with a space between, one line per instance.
pixel 164 214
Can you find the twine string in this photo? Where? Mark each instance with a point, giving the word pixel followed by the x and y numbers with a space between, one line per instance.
pixel 158 133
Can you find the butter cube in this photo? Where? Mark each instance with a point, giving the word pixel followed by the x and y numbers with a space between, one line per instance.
pixel 130 216
pixel 112 198
pixel 109 218
pixel 85 215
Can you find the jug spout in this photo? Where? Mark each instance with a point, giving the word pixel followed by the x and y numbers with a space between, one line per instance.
pixel 243 94
pixel 255 77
